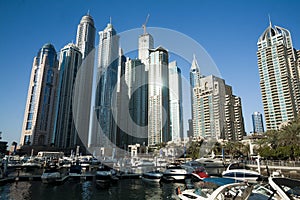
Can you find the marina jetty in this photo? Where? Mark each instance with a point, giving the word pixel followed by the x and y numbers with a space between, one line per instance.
pixel 289 169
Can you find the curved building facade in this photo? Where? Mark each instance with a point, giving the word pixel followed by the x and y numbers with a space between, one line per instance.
pixel 39 111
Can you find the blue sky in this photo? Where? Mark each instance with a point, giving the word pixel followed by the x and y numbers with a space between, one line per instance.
pixel 228 30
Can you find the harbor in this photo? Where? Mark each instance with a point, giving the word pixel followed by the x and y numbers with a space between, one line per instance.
pixel 145 180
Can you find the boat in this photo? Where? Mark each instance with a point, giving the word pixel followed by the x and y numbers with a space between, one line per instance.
pixel 105 176
pixel 75 171
pixel 217 188
pixel 175 172
pixel 31 164
pixel 200 173
pixel 152 176
pixel 213 165
pixel 239 171
pixel 285 188
pixel 52 175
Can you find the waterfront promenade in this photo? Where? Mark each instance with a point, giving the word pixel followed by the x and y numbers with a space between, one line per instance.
pixel 289 169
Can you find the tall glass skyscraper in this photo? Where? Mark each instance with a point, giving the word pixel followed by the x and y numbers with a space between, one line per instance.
pixel 104 127
pixel 85 41
pixel 66 134
pixel 175 90
pixel 39 111
pixel 279 76
pixel 257 121
pixel 158 95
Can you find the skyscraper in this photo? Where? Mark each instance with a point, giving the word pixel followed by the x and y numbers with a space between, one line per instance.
pixel 194 82
pixel 107 76
pixel 279 76
pixel 158 95
pixel 175 90
pixel 66 134
pixel 217 113
pixel 146 42
pixel 39 111
pixel 85 38
pixel 85 41
pixel 257 121
pixel 135 103
pixel 209 108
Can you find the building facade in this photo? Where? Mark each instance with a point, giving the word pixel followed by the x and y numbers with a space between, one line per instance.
pixel 257 121
pixel 217 113
pixel 85 41
pixel 136 103
pixel 175 90
pixel 86 33
pixel 146 42
pixel 158 97
pixel 278 64
pixel 39 111
pixel 104 125
pixel 65 131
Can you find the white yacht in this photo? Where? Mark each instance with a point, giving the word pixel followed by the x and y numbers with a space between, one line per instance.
pixel 175 172
pixel 239 171
pixel 51 175
pixel 152 176
pixel 238 191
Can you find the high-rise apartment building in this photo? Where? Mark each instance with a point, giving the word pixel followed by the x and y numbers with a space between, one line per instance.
pixel 158 95
pixel 66 134
pixel 278 64
pixel 135 113
pixel 85 38
pixel 216 112
pixel 175 90
pixel 104 127
pixel 146 42
pixel 194 82
pixel 209 108
pixel 257 121
pixel 85 41
pixel 39 111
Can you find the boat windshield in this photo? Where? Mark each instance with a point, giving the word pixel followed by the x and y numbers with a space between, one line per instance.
pixel 238 166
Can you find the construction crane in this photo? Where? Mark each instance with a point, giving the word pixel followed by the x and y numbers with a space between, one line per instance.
pixel 145 23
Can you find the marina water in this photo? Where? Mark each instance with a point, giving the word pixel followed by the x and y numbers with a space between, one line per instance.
pixel 87 190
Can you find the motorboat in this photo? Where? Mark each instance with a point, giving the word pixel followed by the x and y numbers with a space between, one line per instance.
pixel 31 164
pixel 105 176
pixel 51 175
pixel 240 171
pixel 285 188
pixel 175 172
pixel 207 190
pixel 213 165
pixel 200 173
pixel 152 176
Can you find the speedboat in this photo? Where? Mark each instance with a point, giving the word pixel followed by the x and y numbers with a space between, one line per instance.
pixel 285 188
pixel 239 171
pixel 200 173
pixel 175 172
pixel 51 175
pixel 152 176
pixel 207 190
pixel 105 176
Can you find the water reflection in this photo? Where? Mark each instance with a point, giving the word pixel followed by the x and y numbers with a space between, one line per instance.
pixel 87 190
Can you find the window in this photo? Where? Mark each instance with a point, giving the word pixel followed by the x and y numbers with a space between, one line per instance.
pixel 28 125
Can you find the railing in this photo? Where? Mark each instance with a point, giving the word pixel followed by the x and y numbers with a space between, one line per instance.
pixel 275 163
